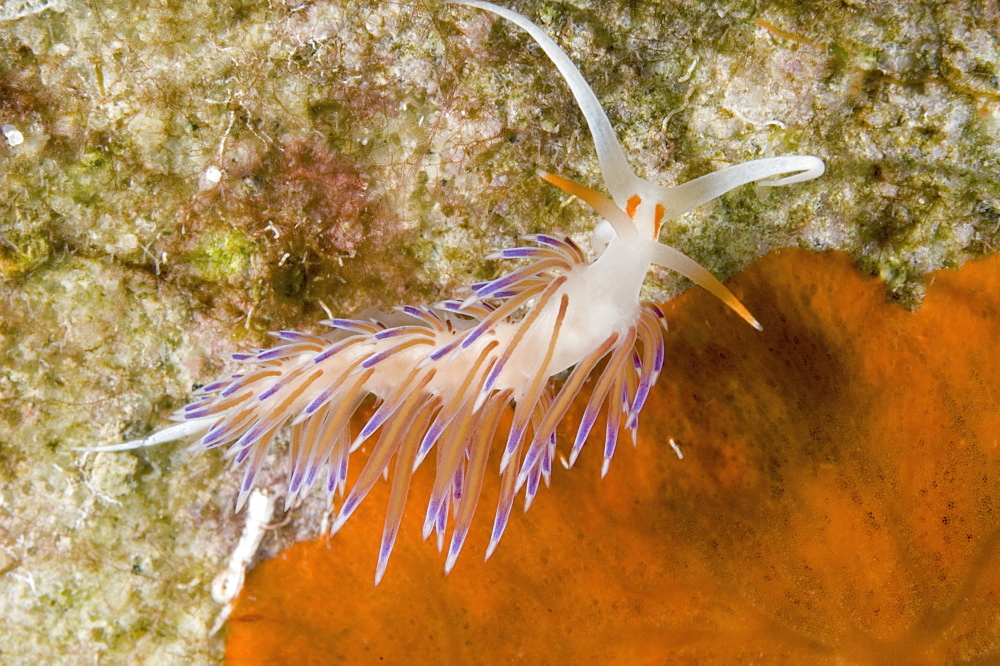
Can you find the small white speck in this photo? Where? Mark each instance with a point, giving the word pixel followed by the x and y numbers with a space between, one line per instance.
pixel 676 448
pixel 14 137
pixel 25 578
pixel 210 177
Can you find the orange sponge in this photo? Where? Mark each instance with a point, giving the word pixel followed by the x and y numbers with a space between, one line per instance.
pixel 837 501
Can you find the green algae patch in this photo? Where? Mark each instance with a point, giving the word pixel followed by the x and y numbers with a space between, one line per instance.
pixel 20 258
pixel 222 254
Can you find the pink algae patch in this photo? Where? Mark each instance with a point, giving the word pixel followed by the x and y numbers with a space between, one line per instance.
pixel 837 503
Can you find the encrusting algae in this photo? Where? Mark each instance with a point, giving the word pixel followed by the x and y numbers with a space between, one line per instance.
pixel 837 502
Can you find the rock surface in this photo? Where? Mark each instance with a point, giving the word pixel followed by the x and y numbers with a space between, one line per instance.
pixel 176 179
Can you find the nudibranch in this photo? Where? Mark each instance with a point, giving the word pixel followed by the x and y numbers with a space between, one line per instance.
pixel 443 375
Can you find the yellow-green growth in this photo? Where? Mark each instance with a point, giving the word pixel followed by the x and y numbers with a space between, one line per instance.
pixel 222 254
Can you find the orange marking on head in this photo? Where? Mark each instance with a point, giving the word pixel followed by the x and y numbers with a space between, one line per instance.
pixel 657 219
pixel 632 203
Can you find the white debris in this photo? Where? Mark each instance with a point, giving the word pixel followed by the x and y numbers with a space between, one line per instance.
pixel 210 177
pixel 13 136
pixel 228 584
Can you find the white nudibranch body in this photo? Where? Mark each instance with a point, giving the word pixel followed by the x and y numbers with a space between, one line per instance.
pixel 443 375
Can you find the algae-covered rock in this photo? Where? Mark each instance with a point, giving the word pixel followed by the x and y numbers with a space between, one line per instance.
pixel 176 179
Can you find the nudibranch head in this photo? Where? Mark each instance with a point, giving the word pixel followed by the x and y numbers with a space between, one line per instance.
pixel 643 206
pixel 442 376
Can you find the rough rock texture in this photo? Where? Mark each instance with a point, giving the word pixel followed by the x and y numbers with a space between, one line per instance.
pixel 178 178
